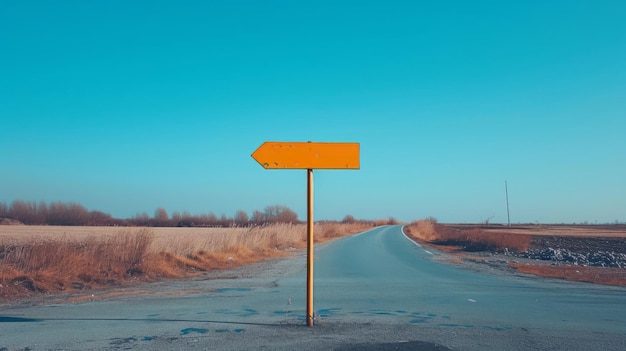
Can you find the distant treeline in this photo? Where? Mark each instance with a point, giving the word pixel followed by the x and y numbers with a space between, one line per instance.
pixel 55 213
pixel 73 214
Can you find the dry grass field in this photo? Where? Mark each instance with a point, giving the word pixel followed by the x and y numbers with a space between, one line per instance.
pixel 469 238
pixel 48 259
pixel 469 241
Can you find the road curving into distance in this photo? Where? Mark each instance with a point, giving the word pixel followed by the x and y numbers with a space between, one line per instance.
pixel 375 290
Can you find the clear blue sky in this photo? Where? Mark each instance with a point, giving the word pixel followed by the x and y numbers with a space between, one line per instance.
pixel 126 106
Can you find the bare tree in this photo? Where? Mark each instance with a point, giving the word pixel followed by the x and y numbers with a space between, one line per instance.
pixel 161 215
pixel 161 218
pixel 100 218
pixel 186 220
pixel 60 213
pixel 257 217
pixel 42 212
pixel 211 219
pixel 241 217
pixel 4 210
pixel 279 214
pixel 23 211
pixel 348 219
pixel 141 219
pixel 78 214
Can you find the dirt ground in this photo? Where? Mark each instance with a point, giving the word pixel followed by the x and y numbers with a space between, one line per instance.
pixel 585 231
pixel 564 242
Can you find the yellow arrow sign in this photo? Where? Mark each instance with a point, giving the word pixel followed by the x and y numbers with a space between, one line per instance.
pixel 309 156
pixel 303 155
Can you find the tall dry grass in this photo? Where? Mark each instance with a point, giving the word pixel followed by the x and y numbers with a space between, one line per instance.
pixel 172 255
pixel 62 263
pixel 468 239
pixel 70 260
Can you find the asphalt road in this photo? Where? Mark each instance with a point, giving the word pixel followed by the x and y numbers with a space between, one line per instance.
pixel 373 291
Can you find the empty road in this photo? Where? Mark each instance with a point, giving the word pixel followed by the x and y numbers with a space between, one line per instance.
pixel 375 290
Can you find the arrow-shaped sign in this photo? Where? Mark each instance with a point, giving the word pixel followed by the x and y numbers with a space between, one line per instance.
pixel 309 156
pixel 303 155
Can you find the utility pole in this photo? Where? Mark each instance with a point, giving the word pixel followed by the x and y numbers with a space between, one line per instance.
pixel 506 191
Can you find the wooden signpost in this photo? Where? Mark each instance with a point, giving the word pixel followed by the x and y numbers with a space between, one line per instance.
pixel 309 156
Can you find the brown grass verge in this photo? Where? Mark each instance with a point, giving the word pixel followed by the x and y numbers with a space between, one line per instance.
pixel 59 264
pixel 462 240
pixel 466 238
pixel 597 275
pixel 47 260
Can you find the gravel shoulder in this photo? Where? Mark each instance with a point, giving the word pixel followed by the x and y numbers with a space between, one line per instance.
pixel 577 253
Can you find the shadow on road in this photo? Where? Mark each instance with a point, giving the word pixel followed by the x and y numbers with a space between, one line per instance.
pixel 30 320
pixel 18 320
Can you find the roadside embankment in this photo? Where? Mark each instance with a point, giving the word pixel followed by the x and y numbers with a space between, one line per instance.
pixel 595 254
